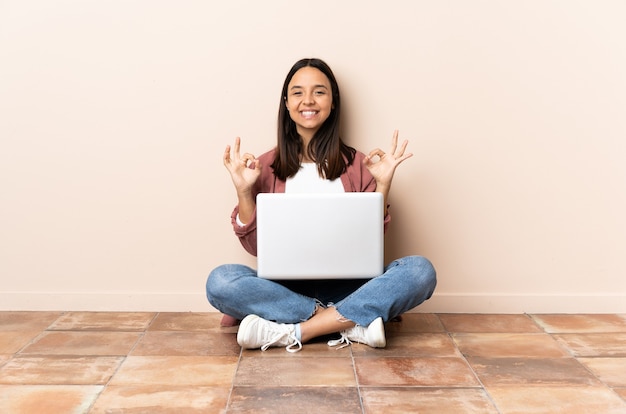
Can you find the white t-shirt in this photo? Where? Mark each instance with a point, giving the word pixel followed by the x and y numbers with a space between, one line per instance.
pixel 308 180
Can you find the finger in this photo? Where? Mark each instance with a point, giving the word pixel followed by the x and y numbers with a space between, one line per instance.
pixel 404 157
pixel 376 152
pixel 226 156
pixel 394 142
pixel 402 148
pixel 237 146
pixel 247 157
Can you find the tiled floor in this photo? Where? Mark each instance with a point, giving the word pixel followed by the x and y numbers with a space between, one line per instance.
pixel 80 362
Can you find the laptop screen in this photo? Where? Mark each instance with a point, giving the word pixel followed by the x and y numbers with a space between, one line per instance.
pixel 320 236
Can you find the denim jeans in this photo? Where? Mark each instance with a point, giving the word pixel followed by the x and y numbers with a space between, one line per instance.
pixel 236 290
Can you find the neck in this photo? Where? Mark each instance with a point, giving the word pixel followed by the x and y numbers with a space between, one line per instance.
pixel 306 139
pixel 305 134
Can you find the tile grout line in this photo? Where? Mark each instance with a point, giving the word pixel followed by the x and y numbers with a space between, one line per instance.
pixel 229 402
pixel 356 380
pixel 232 384
pixel 124 358
pixel 480 382
pixel 573 355
pixel 38 336
pixel 585 367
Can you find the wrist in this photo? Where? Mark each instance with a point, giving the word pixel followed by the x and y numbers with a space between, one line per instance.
pixel 382 187
pixel 244 194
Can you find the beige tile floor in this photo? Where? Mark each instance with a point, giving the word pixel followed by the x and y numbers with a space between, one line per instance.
pixel 82 362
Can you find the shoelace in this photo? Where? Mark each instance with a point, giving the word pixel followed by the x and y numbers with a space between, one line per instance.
pixel 343 340
pixel 279 335
pixel 290 347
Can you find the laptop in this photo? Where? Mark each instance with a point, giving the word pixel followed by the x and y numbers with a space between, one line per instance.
pixel 320 236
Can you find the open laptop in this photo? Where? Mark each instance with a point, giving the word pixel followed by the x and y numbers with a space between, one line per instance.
pixel 320 236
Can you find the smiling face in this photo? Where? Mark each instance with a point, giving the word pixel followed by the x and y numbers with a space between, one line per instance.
pixel 309 100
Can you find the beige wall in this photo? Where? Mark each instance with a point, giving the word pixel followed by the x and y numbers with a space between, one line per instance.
pixel 114 116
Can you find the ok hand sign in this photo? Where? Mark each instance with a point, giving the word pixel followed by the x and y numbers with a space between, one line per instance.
pixel 384 167
pixel 238 166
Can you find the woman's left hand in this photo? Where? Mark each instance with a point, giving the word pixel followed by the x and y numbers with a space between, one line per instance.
pixel 383 168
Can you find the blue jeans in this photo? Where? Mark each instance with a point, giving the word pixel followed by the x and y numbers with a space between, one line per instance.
pixel 236 290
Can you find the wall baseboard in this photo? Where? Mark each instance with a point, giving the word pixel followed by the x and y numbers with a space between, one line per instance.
pixel 197 302
pixel 104 302
pixel 524 303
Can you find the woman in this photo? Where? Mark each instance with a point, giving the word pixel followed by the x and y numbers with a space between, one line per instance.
pixel 311 157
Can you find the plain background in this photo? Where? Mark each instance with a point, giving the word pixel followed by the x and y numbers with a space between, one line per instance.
pixel 114 116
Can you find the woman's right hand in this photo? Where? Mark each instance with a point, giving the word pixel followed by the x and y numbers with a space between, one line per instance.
pixel 239 165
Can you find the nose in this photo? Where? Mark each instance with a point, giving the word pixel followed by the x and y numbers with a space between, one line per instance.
pixel 309 98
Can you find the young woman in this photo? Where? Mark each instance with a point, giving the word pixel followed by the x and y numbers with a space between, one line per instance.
pixel 311 157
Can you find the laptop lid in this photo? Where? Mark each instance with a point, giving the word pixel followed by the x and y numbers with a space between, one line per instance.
pixel 320 236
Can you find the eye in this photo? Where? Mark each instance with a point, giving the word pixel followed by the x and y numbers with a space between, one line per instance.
pixel 320 92
pixel 296 93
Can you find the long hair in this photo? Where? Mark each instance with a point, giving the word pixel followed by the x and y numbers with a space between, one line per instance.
pixel 326 148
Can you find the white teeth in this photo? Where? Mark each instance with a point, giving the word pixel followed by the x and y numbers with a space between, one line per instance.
pixel 308 113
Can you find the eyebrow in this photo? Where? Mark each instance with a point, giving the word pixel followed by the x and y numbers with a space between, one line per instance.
pixel 315 86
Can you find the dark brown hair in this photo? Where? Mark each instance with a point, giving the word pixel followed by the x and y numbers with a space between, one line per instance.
pixel 326 148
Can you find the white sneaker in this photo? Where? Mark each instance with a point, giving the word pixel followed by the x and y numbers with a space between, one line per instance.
pixel 373 335
pixel 256 332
